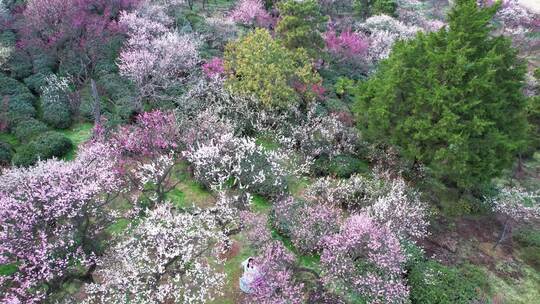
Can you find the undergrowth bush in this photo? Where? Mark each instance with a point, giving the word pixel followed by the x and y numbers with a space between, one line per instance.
pixel 45 146
pixel 27 129
pixel 432 282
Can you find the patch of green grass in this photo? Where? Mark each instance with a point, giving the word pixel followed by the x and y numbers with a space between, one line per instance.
pixel 8 269
pixel 195 193
pixel 516 291
pixel 267 142
pixel 118 227
pixel 298 185
pixel 177 197
pixel 78 134
pixel 260 204
pixel 10 139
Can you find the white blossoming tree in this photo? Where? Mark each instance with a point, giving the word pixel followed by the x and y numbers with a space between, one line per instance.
pixel 169 257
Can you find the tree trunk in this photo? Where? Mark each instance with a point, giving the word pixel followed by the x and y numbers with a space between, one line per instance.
pixel 97 103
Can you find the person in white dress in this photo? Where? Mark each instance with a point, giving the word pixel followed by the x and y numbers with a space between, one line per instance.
pixel 251 274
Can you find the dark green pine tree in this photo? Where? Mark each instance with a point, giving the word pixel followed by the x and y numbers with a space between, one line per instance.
pixel 301 25
pixel 451 100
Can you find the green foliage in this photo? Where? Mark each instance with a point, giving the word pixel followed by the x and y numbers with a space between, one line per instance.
pixel 533 115
pixel 258 65
pixel 529 239
pixel 342 166
pixel 367 8
pixel 19 100
pixel 28 129
pixel 20 65
pixel 451 100
pixel 386 7
pixel 57 115
pixel 527 236
pixel 301 25
pixel 36 81
pixel 45 146
pixel 432 282
pixel 8 269
pixel 5 153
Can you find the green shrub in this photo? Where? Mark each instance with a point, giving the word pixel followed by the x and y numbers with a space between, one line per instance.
pixel 527 236
pixel 19 110
pixel 386 7
pixel 5 153
pixel 531 256
pixel 27 129
pixel 20 65
pixel 57 115
pixel 44 146
pixel 342 166
pixel 432 282
pixel 36 81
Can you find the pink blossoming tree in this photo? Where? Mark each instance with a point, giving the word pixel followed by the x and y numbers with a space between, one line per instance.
pixel 50 216
pixel 364 259
pixel 251 13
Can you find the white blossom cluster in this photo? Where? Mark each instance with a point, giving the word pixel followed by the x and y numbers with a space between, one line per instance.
pixel 517 204
pixel 169 257
pixel 154 56
pixel 325 136
pixel 55 89
pixel 384 32
pixel 401 211
pixel 390 202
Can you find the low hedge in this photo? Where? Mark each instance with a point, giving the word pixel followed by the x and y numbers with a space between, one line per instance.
pixel 46 145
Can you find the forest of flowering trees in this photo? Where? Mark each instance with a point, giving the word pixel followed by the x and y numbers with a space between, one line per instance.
pixel 269 151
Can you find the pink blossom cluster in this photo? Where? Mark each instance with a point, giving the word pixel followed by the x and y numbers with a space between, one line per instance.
pixel 276 284
pixel 251 13
pixel 346 45
pixel 214 68
pixel 169 257
pixel 84 24
pixel 48 213
pixel 365 258
pixel 153 133
pixel 256 228
pixel 306 223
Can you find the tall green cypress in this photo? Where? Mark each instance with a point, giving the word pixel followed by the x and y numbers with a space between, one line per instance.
pixel 452 99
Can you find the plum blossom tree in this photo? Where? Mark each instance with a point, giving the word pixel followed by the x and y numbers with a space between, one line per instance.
pixel 347 45
pixel 155 57
pixel 516 206
pixel 306 223
pixel 83 26
pixel 384 32
pixel 401 211
pixel 148 152
pixel 323 136
pixel 276 283
pixel 214 68
pixel 355 193
pixel 221 159
pixel 251 13
pixel 364 259
pixel 50 215
pixel 170 257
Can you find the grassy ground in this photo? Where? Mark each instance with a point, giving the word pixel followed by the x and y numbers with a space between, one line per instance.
pixel 78 134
